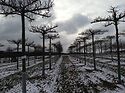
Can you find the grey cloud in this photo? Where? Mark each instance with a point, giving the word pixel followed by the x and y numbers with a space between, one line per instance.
pixel 10 27
pixel 72 25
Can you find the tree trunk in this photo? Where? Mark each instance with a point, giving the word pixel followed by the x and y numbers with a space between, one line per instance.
pixel 93 46
pixel 85 51
pixel 50 54
pixel 43 65
pixel 23 51
pixel 111 49
pixel 17 59
pixel 118 53
pixel 28 56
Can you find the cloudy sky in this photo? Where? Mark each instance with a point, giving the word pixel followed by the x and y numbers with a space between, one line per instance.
pixel 71 16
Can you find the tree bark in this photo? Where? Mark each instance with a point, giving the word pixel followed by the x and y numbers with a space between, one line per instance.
pixel 50 54
pixel 23 51
pixel 118 53
pixel 43 65
pixel 93 46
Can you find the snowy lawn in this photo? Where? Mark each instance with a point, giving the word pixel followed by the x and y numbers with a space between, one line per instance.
pixel 36 84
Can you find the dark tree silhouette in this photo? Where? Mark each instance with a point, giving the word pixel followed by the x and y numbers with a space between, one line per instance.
pixel 76 46
pixel 17 43
pixel 71 48
pixel 51 37
pixel 1 45
pixel 25 8
pixel 100 42
pixel 28 44
pixel 92 33
pixel 58 47
pixel 122 43
pixel 78 41
pixel 110 40
pixel 84 41
pixel 35 50
pixel 43 30
pixel 115 18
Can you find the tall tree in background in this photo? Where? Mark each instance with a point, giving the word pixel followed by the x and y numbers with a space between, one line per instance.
pixel 110 38
pixel 51 37
pixel 84 41
pixel 58 47
pixel 28 44
pixel 17 43
pixel 43 30
pixel 26 9
pixel 92 33
pixel 1 45
pixel 115 18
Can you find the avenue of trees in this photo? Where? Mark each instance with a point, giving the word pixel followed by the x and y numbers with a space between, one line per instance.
pixel 105 45
pixel 29 10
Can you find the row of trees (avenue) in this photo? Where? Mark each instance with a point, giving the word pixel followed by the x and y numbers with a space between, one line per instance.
pixel 29 9
pixel 115 18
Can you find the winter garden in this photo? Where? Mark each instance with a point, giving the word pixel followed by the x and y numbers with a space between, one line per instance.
pixel 93 63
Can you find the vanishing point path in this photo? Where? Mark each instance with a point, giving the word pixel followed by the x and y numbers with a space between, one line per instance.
pixel 69 82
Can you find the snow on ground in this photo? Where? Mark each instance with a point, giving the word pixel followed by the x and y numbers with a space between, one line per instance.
pixel 31 88
pixel 101 81
pixel 40 85
pixel 11 68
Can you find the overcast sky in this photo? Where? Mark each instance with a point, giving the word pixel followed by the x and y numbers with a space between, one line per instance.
pixel 71 16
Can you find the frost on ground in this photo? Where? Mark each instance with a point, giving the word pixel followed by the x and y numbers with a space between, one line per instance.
pixel 100 81
pixel 36 84
pixel 70 76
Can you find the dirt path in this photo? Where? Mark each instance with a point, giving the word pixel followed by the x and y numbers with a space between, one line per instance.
pixel 69 81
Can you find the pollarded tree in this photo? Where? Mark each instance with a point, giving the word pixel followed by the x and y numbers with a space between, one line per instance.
pixel 100 45
pixel 115 18
pixel 17 43
pixel 122 43
pixel 43 30
pixel 92 33
pixel 1 45
pixel 26 9
pixel 110 38
pixel 51 37
pixel 35 49
pixel 84 41
pixel 71 48
pixel 28 44
pixel 58 47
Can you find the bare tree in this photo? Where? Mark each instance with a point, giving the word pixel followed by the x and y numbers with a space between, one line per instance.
pixel 1 45
pixel 43 30
pixel 122 43
pixel 28 44
pixel 35 49
pixel 110 40
pixel 17 43
pixel 51 37
pixel 71 48
pixel 84 40
pixel 92 33
pixel 115 18
pixel 99 44
pixel 58 47
pixel 25 8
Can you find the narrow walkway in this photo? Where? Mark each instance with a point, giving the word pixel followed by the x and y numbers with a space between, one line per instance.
pixel 69 81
